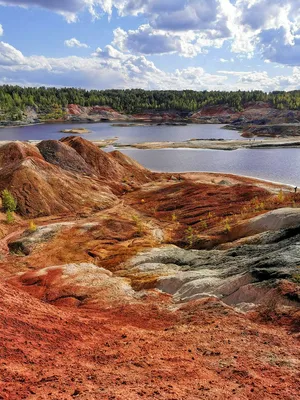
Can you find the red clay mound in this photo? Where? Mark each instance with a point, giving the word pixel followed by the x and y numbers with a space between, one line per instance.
pixel 58 153
pixel 103 165
pixel 111 167
pixel 138 173
pixel 44 189
pixel 16 151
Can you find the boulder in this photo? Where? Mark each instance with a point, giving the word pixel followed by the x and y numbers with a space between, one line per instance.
pixel 283 218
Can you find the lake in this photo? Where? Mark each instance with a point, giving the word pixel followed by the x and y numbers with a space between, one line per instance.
pixel 280 165
pixel 126 135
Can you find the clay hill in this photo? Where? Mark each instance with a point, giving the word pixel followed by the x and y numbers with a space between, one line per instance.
pixel 118 283
pixel 67 176
pixel 254 113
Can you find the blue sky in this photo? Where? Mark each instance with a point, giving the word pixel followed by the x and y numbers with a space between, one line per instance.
pixel 151 44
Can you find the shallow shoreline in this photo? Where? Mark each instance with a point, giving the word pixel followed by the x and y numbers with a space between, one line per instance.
pixel 21 126
pixel 216 144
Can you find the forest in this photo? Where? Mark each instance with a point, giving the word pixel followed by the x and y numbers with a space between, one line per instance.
pixel 52 101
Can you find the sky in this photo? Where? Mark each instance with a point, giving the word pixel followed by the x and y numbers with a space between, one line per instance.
pixel 151 44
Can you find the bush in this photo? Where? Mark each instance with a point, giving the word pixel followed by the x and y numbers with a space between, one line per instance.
pixel 9 217
pixel 227 225
pixel 281 196
pixel 32 227
pixel 190 237
pixel 8 201
pixel 138 224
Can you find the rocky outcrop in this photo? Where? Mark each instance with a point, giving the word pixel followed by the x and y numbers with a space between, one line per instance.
pixel 245 275
pixel 275 220
pixel 77 284
pixel 283 130
pixel 29 240
pixel 254 113
pixel 78 113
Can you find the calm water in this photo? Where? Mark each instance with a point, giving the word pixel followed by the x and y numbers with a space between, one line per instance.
pixel 280 165
pixel 126 135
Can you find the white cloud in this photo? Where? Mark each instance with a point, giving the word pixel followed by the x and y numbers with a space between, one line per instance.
pixel 271 27
pixel 75 43
pixel 109 52
pixel 111 68
pixel 1 30
pixel 68 8
pixel 267 28
pixel 249 80
pixel 146 40
pixel 9 56
pixel 223 60
pixel 275 49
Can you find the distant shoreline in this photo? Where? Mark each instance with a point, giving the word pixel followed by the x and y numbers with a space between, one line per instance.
pixel 22 125
pixel 217 144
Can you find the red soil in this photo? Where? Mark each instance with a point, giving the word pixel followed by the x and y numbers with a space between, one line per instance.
pixel 74 109
pixel 212 111
pixel 203 351
pixel 205 207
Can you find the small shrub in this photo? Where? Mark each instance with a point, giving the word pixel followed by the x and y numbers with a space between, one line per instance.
pixel 138 224
pixel 8 201
pixel 296 278
pixel 245 210
pixel 227 226
pixel 174 217
pixel 281 196
pixel 190 236
pixel 32 226
pixel 203 225
pixel 9 217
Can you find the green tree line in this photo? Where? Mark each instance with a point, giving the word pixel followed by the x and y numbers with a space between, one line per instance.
pixel 53 101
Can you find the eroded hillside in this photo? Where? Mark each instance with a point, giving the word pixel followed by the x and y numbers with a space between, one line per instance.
pixel 120 283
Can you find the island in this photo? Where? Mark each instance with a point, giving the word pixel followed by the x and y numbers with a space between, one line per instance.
pixel 76 131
